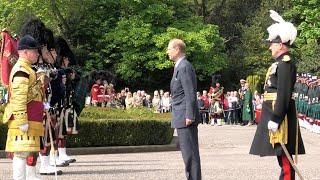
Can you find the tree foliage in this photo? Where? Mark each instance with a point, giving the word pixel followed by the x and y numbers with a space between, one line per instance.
pixel 306 15
pixel 126 37
pixel 253 52
pixel 129 37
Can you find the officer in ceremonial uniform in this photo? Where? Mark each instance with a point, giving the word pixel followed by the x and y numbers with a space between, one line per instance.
pixel 278 120
pixel 24 112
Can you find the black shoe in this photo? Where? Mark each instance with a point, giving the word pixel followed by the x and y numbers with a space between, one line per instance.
pixel 71 161
pixel 59 172
pixel 64 164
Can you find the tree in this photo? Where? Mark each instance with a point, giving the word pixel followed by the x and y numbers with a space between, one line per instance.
pixel 137 45
pixel 254 53
pixel 306 15
pixel 229 16
pixel 15 13
pixel 126 37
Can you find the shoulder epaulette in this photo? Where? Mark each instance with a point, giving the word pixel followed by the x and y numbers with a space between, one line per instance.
pixel 286 58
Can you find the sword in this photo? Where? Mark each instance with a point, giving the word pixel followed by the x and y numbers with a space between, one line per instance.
pixel 291 161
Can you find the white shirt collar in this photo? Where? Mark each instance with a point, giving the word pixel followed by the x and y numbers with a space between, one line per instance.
pixel 179 60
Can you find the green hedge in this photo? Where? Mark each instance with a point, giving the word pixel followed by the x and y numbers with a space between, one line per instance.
pixel 121 132
pixel 134 113
pixel 115 127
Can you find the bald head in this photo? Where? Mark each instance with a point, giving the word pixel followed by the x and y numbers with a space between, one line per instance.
pixel 179 44
pixel 176 49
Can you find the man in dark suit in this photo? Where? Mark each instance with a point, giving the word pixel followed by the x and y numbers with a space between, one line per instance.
pixel 185 112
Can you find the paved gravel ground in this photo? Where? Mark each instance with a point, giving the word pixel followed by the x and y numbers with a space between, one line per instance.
pixel 224 155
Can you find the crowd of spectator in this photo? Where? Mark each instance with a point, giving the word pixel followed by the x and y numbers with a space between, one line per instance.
pixel 232 103
pixel 233 106
pixel 104 95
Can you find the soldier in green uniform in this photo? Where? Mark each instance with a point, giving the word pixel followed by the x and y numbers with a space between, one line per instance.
pixel 278 123
pixel 315 104
pixel 247 107
pixel 308 110
pixel 303 101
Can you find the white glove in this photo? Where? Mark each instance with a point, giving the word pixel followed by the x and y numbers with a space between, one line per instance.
pixel 24 127
pixel 273 126
pixel 46 105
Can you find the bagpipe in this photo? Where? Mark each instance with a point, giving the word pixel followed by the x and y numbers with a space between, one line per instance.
pixel 45 73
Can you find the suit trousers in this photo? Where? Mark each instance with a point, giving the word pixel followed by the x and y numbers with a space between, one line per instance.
pixel 287 171
pixel 188 140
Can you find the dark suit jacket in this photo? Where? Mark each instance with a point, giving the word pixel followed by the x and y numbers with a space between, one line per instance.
pixel 183 88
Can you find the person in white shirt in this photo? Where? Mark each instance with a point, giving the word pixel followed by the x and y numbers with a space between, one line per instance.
pixel 165 102
pixel 156 101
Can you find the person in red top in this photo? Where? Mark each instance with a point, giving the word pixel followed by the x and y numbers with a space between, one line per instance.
pixel 101 95
pixel 205 99
pixel 95 91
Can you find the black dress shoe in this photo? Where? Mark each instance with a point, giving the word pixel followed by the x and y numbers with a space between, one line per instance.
pixel 71 161
pixel 59 172
pixel 64 164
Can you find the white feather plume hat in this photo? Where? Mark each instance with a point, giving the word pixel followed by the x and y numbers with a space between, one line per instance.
pixel 281 31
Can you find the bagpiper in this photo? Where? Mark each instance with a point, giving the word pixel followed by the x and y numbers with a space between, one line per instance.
pixel 217 97
pixel 68 117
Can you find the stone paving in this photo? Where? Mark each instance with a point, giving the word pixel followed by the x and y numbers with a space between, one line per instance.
pixel 223 151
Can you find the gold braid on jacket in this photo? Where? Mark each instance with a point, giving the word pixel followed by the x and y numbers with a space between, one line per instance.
pixel 24 88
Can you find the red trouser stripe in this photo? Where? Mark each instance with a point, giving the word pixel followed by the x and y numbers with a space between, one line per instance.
pixel 286 167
